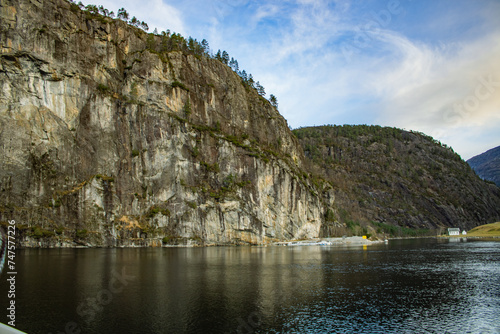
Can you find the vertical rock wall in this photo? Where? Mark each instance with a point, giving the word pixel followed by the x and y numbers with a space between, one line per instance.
pixel 106 142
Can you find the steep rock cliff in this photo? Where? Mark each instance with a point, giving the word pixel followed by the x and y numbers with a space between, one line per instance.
pixel 106 141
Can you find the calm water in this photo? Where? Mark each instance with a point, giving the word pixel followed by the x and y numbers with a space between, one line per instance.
pixel 411 286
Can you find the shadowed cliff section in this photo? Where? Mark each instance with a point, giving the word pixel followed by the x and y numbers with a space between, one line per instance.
pixel 395 177
pixel 108 139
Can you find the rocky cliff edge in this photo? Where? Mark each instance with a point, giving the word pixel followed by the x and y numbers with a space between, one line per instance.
pixel 108 142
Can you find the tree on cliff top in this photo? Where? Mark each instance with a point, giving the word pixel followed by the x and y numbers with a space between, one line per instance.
pixel 122 14
pixel 176 42
pixel 274 101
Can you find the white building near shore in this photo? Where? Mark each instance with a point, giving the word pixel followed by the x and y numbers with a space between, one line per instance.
pixel 453 231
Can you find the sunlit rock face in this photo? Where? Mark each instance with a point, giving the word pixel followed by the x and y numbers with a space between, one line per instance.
pixel 107 142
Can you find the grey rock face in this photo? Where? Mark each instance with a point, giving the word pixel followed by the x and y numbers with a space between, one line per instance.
pixel 106 142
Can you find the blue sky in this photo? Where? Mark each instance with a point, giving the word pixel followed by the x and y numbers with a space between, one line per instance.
pixel 429 66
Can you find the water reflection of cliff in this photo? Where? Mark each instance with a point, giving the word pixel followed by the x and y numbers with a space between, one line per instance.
pixel 187 290
pixel 403 286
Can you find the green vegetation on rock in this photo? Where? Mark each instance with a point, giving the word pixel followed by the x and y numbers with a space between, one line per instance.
pixel 396 178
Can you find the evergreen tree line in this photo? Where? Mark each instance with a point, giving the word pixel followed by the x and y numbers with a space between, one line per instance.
pixel 122 14
pixel 176 42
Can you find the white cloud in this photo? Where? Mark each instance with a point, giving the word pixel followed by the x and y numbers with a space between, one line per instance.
pixel 470 79
pixel 265 11
pixel 438 82
pixel 294 48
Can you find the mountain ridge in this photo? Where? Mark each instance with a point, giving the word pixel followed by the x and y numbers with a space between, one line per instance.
pixel 487 165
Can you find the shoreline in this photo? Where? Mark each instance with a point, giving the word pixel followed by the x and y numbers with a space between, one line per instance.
pixel 355 241
pixel 469 236
pixel 335 241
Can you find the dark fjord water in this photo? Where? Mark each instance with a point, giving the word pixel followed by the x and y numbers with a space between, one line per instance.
pixel 408 286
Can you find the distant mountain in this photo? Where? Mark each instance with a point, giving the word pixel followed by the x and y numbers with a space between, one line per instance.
pixel 487 165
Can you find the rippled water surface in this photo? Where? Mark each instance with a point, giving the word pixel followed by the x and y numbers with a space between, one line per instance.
pixel 407 286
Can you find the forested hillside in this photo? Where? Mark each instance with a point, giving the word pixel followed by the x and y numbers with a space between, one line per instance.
pixel 391 176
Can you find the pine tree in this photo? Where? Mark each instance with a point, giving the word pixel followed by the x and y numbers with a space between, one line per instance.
pixel 234 65
pixel 205 46
pixel 225 57
pixel 251 82
pixel 260 89
pixel 274 101
pixel 134 21
pixel 191 45
pixel 243 75
pixel 92 9
pixel 197 48
pixel 122 14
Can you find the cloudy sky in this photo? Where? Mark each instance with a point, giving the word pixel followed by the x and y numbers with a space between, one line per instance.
pixel 426 65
